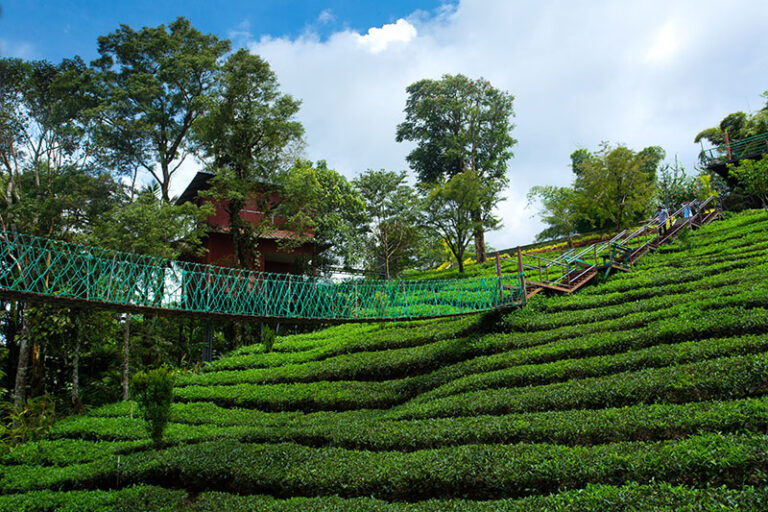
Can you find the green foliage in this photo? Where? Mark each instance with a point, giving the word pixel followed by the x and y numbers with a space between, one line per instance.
pixel 290 469
pixel 248 135
pixel 558 210
pixel 320 203
pixel 655 496
pixel 615 185
pixel 153 85
pixel 645 392
pixel 460 126
pixel 147 225
pixel 674 187
pixel 450 209
pixel 31 423
pixel 753 176
pixel 739 125
pixel 138 498
pixel 153 390
pixel 394 223
pixel 268 338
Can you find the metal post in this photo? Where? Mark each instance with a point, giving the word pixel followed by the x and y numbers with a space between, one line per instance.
pixel 520 268
pixel 498 273
pixel 208 348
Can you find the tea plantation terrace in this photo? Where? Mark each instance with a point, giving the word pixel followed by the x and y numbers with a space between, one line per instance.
pixel 646 391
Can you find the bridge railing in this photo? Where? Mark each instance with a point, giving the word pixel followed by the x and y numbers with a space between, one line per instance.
pixel 753 146
pixel 48 269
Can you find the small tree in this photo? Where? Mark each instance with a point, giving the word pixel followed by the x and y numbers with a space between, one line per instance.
pixel 615 185
pixel 320 205
pixel 673 186
pixel 753 176
pixel 393 219
pixel 449 210
pixel 153 391
pixel 558 210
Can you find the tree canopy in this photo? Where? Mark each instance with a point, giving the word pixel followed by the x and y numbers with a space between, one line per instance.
pixel 394 223
pixel 247 135
pixel 738 125
pixel 459 125
pixel 152 85
pixel 616 186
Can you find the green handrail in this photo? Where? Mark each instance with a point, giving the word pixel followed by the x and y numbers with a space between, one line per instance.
pixel 744 148
pixel 55 270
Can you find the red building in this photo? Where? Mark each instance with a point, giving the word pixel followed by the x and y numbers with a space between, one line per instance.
pixel 271 258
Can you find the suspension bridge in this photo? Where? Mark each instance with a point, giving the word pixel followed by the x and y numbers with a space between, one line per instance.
pixel 53 271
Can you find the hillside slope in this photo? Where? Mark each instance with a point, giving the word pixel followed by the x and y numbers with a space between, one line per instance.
pixel 645 392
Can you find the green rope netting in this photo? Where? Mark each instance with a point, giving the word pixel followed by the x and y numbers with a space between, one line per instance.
pixel 63 270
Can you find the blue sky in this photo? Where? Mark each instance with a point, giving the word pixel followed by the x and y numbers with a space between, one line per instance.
pixel 645 73
pixel 48 29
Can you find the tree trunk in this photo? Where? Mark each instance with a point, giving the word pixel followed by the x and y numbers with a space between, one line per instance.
pixel 19 391
pixel 37 378
pixel 238 328
pixel 460 259
pixel 12 357
pixel 126 356
pixel 479 236
pixel 76 403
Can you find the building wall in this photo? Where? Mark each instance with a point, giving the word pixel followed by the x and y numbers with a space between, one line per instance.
pixel 271 257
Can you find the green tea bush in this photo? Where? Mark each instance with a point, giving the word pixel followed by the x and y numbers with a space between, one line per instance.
pixel 153 390
pixel 471 471
pixel 268 338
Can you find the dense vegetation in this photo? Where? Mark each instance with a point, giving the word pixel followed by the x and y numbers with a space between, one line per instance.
pixel 644 392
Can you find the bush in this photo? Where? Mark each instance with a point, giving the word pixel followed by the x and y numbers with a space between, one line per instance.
pixel 153 391
pixel 268 338
pixel 31 423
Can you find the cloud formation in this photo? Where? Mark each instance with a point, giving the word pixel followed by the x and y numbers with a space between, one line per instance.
pixel 378 39
pixel 639 73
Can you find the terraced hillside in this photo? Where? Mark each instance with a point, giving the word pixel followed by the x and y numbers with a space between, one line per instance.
pixel 646 392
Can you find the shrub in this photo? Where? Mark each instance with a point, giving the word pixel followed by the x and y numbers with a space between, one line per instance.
pixel 153 391
pixel 268 338
pixel 31 423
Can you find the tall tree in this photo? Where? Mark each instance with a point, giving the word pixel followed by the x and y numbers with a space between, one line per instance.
pixel 616 185
pixel 249 134
pixel 393 211
pixel 49 185
pixel 148 226
pixel 460 125
pixel 674 186
pixel 154 84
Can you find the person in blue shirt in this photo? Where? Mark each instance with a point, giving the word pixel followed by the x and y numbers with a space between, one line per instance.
pixel 661 216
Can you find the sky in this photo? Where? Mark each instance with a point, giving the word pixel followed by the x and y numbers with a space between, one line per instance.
pixel 636 73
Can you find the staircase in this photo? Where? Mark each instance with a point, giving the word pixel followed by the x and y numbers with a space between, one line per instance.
pixel 578 271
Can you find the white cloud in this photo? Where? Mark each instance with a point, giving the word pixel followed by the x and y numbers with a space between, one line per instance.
pixel 628 72
pixel 241 34
pixel 378 39
pixel 326 16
